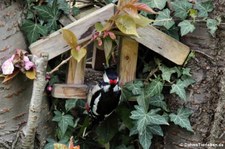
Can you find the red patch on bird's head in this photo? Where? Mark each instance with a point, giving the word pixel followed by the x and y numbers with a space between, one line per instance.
pixel 113 82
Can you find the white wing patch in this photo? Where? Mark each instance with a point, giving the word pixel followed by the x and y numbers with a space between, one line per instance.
pixel 92 92
pixel 94 108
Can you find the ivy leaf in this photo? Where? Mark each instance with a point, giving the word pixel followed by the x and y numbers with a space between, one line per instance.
pixel 204 8
pixel 160 4
pixel 123 111
pixel 178 89
pixel 64 6
pixel 166 72
pixel 70 38
pixel 186 27
pixel 154 88
pixel 187 80
pixel 99 27
pixel 156 130
pixel 164 19
pixel 63 121
pixel 75 11
pixel 126 25
pixel 181 118
pixel 136 87
pixel 181 8
pixel 145 118
pixel 212 25
pixel 78 55
pixel 157 101
pixel 70 104
pixel 33 30
pixel 186 71
pixel 107 129
pixel 49 14
pixel 143 100
pixel 145 138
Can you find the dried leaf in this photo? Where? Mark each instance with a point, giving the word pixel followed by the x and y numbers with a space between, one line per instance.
pixel 31 74
pixel 10 77
pixel 144 7
pixel 78 55
pixel 60 146
pixel 70 38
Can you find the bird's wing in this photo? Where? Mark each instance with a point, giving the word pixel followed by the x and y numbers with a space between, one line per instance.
pixel 92 92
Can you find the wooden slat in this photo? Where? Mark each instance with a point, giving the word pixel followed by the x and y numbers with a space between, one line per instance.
pixel 163 44
pixel 128 59
pixel 69 91
pixel 55 45
pixel 76 71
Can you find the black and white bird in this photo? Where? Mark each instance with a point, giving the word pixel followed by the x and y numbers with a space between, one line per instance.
pixel 104 97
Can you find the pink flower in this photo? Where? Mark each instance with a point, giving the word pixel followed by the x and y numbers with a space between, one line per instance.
pixel 7 66
pixel 28 63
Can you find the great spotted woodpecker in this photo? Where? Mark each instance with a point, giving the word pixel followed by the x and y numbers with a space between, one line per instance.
pixel 104 97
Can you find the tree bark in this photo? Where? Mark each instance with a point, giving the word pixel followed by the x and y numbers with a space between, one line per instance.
pixel 40 82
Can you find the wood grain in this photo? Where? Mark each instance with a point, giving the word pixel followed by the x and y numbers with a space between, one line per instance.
pixel 83 28
pixel 128 60
pixel 163 44
pixel 69 91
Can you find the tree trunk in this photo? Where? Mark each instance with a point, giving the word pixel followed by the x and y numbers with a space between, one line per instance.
pixel 207 96
pixel 15 95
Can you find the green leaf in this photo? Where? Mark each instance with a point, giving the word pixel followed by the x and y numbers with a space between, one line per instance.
pixel 157 101
pixel 145 138
pixel 75 11
pixel 123 112
pixel 136 87
pixel 212 25
pixel 49 14
pixel 126 25
pixel 78 55
pixel 178 89
pixel 156 130
pixel 187 80
pixel 204 8
pixel 99 27
pixel 181 118
pixel 64 6
pixel 186 71
pixel 142 21
pixel 33 30
pixel 63 121
pixel 143 100
pixel 108 44
pixel 181 8
pixel 145 118
pixel 154 88
pixel 70 104
pixel 164 19
pixel 107 129
pixel 166 72
pixel 186 27
pixel 160 4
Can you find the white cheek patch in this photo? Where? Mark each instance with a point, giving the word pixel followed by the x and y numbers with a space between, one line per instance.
pixel 105 78
pixel 106 88
pixel 116 88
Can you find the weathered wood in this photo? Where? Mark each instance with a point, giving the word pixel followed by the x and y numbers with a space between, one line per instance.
pixel 55 45
pixel 128 59
pixel 69 91
pixel 163 44
pixel 76 71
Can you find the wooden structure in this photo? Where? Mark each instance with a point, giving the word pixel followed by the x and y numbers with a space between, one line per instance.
pixel 83 28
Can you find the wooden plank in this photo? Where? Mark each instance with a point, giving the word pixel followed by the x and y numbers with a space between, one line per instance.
pixel 55 45
pixel 163 44
pixel 76 71
pixel 70 91
pixel 98 58
pixel 128 60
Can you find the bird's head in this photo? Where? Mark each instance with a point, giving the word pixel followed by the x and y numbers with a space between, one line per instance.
pixel 110 77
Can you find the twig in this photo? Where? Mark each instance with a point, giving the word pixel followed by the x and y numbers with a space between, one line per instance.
pixel 151 73
pixel 66 60
pixel 203 53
